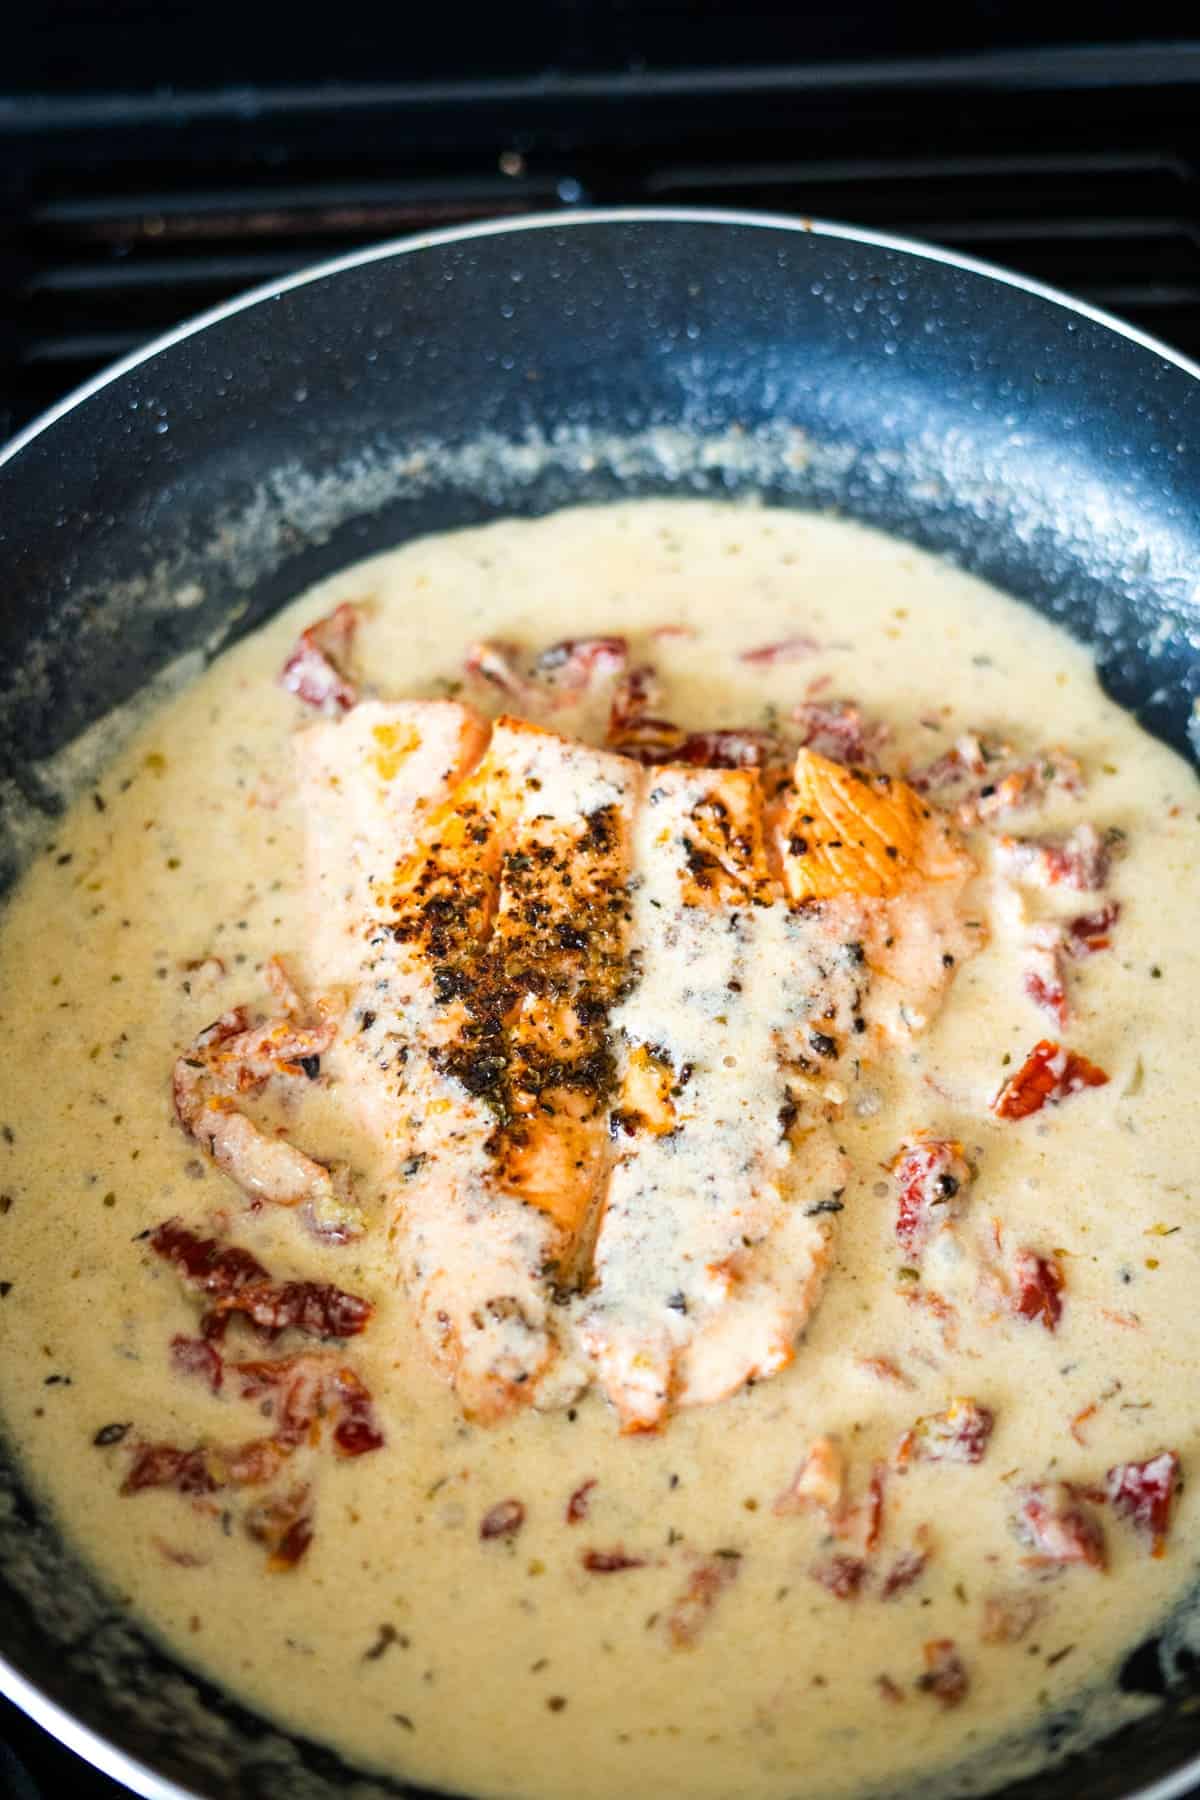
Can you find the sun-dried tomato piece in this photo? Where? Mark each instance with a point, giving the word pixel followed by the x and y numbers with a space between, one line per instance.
pixel 317 671
pixel 636 693
pixel 1044 978
pixel 357 1430
pixel 183 1559
pixel 872 1507
pixel 1082 859
pixel 1048 1076
pixel 1080 1420
pixel 889 1690
pixel 842 1575
pixel 498 664
pixel 575 663
pixel 739 749
pixel 987 780
pixel 1038 1287
pixel 304 1391
pixel 1008 1617
pixel 206 1468
pixel 316 1308
pixel 291 1546
pixel 278 978
pixel 648 740
pixel 1143 1492
pixel 240 1284
pixel 253 1463
pixel 206 1264
pixel 559 674
pixel 837 729
pixel 918 1296
pixel 1090 932
pixel 1049 993
pixel 164 1465
pixel 503 1520
pixel 194 1356
pixel 820 1481
pixel 283 1523
pixel 907 1569
pixel 884 1369
pixel 945 1674
pixel 787 650
pixel 235 1057
pixel 690 1612
pixel 636 733
pixel 578 1504
pixel 932 1177
pixel 656 741
pixel 1051 944
pixel 970 755
pixel 1026 784
pixel 959 1435
pixel 610 1562
pixel 289 1390
pixel 1053 1520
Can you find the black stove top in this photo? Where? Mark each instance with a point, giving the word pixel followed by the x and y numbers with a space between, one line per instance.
pixel 123 212
pixel 34 1767
pixel 127 205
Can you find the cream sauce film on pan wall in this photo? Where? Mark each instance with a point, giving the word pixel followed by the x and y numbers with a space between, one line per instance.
pixel 923 1117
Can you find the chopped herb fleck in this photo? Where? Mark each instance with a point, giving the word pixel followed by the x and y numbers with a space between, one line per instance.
pixel 386 1638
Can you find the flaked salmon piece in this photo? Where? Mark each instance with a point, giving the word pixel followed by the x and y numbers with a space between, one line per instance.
pixel 712 1247
pixel 514 908
pixel 890 873
pixel 518 1041
pixel 476 1040
pixel 719 836
pixel 849 831
pixel 366 783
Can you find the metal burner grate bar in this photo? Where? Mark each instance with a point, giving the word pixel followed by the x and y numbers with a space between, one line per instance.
pixel 1080 169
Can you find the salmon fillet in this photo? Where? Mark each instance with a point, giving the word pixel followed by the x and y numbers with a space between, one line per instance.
pixel 366 782
pixel 713 1243
pixel 888 872
pixel 495 946
pixel 600 1023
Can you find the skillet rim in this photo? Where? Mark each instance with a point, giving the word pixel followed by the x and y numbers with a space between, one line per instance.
pixel 49 1714
pixel 583 216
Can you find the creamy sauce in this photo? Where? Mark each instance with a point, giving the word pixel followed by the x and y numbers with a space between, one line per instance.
pixel 505 1666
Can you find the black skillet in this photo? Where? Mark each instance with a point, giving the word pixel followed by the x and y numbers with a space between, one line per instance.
pixel 183 497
